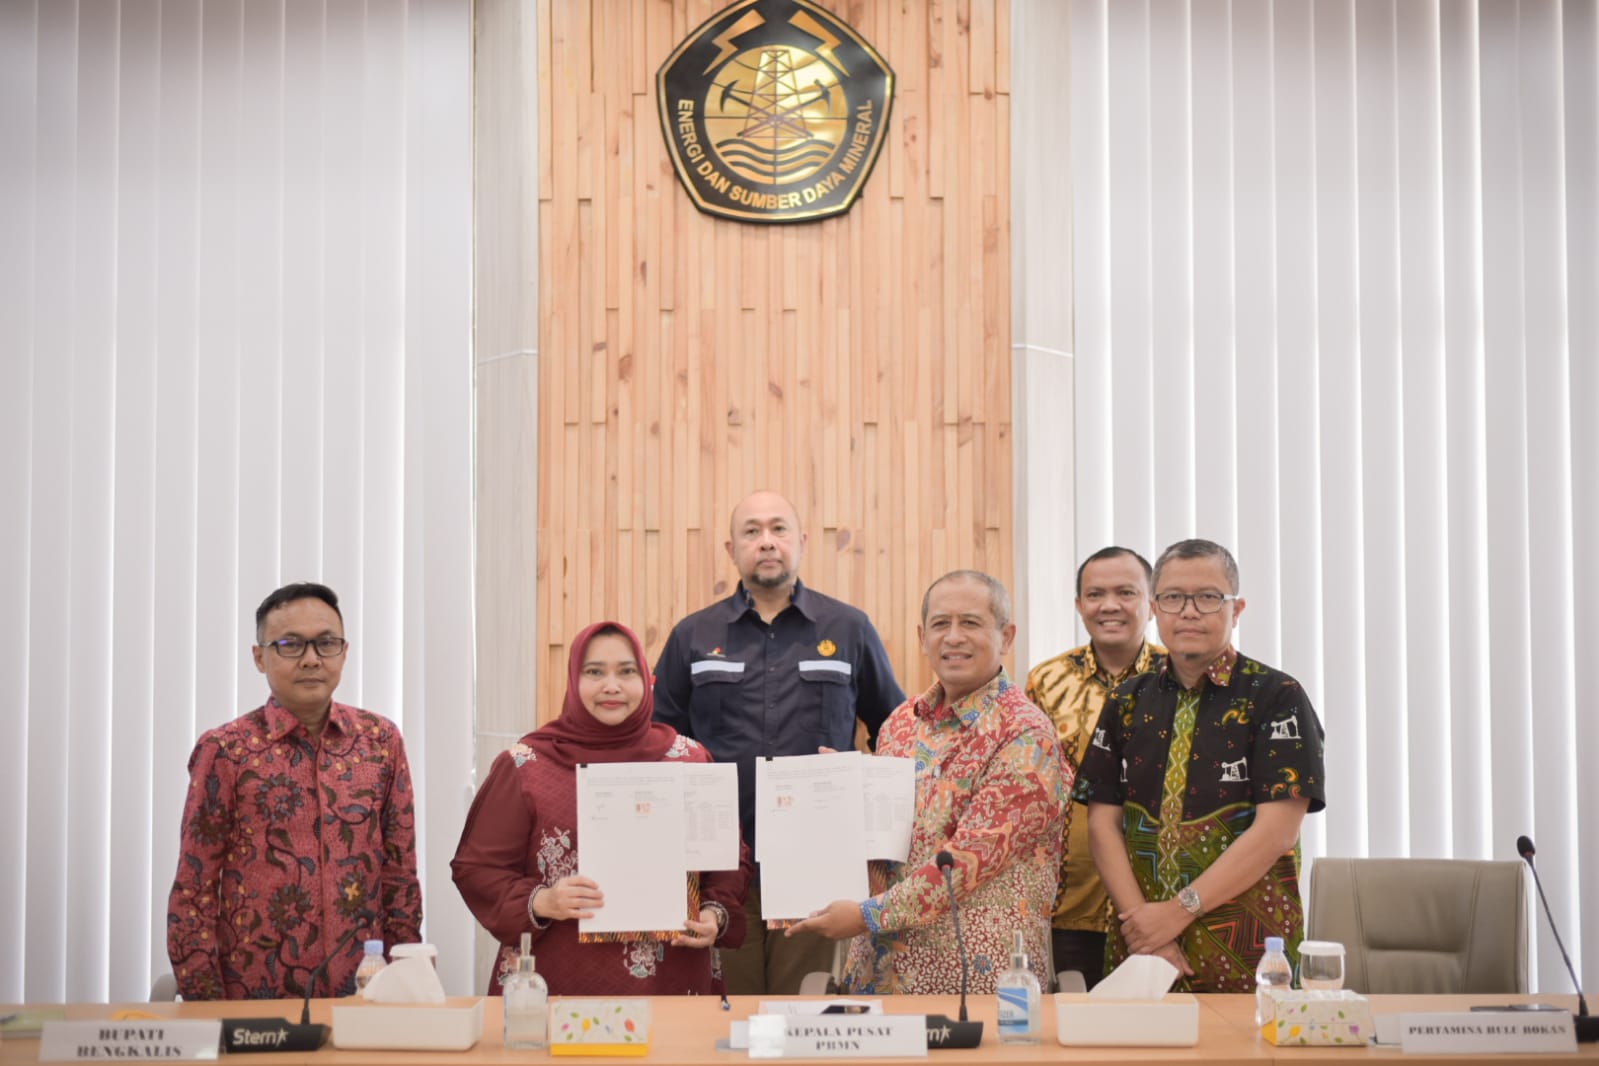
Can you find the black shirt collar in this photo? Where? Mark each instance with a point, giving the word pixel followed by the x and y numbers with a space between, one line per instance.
pixel 799 599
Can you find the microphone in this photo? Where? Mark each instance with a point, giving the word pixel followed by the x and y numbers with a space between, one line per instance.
pixel 941 1031
pixel 1587 1028
pixel 275 1034
pixel 946 863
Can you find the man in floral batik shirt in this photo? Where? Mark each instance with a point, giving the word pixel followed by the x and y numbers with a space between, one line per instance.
pixel 299 831
pixel 990 789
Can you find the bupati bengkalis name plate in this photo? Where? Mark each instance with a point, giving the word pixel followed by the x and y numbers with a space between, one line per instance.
pixel 147 1041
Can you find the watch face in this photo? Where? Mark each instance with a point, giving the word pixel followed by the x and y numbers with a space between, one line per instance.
pixel 1189 900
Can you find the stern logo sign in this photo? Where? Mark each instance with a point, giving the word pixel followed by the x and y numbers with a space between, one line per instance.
pixel 774 111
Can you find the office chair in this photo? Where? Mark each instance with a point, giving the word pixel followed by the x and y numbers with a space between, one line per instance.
pixel 1423 925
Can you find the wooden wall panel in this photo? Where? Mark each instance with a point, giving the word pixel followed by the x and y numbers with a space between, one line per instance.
pixel 859 365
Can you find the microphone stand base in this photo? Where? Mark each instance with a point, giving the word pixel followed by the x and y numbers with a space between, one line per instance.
pixel 944 1033
pixel 271 1034
pixel 1587 1027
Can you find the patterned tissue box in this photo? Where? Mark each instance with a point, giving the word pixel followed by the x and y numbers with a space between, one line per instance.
pixel 599 1026
pixel 1317 1019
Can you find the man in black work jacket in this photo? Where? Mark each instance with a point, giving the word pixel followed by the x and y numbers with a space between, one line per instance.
pixel 774 669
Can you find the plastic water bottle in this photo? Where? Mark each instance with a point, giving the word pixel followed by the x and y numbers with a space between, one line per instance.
pixel 525 1002
pixel 371 963
pixel 1273 972
pixel 1019 997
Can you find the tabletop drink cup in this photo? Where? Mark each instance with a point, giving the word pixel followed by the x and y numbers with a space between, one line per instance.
pixel 1321 965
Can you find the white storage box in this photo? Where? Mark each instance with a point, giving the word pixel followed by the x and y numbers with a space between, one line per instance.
pixel 1084 1021
pixel 451 1027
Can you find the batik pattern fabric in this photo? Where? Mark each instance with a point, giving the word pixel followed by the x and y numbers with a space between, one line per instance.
pixel 1072 689
pixel 288 846
pixel 1255 739
pixel 990 789
pixel 521 835
pixel 1171 795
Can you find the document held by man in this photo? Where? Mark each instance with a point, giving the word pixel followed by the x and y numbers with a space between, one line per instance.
pixel 819 818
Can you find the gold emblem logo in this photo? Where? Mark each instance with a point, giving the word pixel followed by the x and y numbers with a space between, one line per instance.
pixel 827 647
pixel 774 111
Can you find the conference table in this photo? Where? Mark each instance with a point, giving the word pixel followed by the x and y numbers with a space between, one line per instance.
pixel 685 1030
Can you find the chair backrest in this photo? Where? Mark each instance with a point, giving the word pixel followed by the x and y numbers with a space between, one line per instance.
pixel 1423 925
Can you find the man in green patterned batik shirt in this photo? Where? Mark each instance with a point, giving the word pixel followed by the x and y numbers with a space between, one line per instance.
pixel 1197 780
pixel 1113 588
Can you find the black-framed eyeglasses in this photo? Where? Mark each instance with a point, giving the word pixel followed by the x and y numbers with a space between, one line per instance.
pixel 294 647
pixel 1204 602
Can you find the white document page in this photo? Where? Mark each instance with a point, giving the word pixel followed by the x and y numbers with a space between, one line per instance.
pixel 888 787
pixel 808 825
pixel 710 815
pixel 630 842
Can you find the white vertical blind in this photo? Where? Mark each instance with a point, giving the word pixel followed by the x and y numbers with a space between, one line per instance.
pixel 1335 294
pixel 235 286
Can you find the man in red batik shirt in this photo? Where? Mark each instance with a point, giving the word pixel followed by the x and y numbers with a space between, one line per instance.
pixel 299 831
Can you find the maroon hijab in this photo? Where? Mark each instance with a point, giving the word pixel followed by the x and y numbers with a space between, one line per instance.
pixel 578 737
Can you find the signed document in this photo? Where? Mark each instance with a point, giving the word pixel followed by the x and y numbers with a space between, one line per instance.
pixel 710 815
pixel 630 841
pixel 888 796
pixel 819 818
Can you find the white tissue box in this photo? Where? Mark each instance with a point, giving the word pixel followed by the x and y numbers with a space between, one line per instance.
pixel 1082 1020
pixel 456 1026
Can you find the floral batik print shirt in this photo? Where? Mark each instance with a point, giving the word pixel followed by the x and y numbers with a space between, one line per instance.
pixel 287 845
pixel 990 788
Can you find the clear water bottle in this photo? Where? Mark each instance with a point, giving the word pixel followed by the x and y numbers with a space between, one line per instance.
pixel 371 963
pixel 1273 972
pixel 525 1002
pixel 1019 997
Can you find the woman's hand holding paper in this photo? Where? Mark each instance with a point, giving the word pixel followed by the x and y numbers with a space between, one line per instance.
pixel 570 897
pixel 697 934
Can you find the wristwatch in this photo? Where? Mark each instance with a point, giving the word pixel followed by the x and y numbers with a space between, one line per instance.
pixel 1188 900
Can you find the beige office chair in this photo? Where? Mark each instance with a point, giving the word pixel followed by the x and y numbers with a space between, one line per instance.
pixel 1423 925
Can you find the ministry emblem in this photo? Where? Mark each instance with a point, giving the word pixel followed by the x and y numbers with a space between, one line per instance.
pixel 774 111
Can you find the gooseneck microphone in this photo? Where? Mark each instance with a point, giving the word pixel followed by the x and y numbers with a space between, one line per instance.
pixel 1587 1028
pixel 321 972
pixel 275 1034
pixel 941 1031
pixel 946 863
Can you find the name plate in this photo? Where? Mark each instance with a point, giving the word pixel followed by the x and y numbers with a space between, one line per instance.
pixel 1488 1033
pixel 838 1036
pixel 150 1041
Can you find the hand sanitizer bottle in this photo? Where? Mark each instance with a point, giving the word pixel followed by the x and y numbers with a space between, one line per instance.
pixel 1019 997
pixel 525 1002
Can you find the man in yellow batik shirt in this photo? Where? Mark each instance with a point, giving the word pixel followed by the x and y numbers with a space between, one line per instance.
pixel 1113 599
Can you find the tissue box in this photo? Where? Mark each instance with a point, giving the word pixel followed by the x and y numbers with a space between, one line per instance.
pixel 408 1028
pixel 599 1026
pixel 1082 1020
pixel 1316 1019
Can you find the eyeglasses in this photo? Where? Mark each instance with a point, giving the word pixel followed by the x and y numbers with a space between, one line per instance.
pixel 294 647
pixel 1204 602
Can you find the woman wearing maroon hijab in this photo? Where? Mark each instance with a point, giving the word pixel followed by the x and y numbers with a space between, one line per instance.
pixel 516 865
